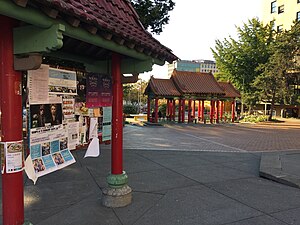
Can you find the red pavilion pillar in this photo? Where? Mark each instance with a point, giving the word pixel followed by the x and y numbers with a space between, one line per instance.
pixel 233 110
pixel 217 111
pixel 156 110
pixel 118 194
pixel 211 111
pixel 183 111
pixel 189 110
pixel 199 111
pixel 148 109
pixel 179 110
pixel 194 109
pixel 11 123
pixel 174 110
pixel 202 110
pixel 222 110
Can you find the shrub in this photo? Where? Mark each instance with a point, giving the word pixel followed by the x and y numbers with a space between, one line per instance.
pixel 130 109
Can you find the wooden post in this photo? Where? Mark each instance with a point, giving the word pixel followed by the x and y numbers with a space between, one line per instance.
pixel 11 123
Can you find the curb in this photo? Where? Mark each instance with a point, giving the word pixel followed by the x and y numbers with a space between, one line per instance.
pixel 271 168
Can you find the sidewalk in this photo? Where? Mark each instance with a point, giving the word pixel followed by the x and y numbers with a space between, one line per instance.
pixel 214 181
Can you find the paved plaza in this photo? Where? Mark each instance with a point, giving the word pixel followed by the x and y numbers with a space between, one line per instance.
pixel 192 174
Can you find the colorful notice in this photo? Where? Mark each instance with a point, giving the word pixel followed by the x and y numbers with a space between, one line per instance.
pixel 62 82
pixel 106 125
pixel 69 108
pixel 49 150
pixel 13 156
pixel 99 90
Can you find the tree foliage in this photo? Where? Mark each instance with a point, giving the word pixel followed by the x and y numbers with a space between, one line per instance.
pixel 154 14
pixel 261 62
pixel 237 60
pixel 273 83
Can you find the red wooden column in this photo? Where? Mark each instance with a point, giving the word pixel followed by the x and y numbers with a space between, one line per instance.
pixel 148 109
pixel 11 123
pixel 202 110
pixel 222 110
pixel 183 111
pixel 212 111
pixel 217 111
pixel 194 109
pixel 199 111
pixel 155 110
pixel 117 115
pixel 174 110
pixel 232 110
pixel 171 110
pixel 189 110
pixel 179 110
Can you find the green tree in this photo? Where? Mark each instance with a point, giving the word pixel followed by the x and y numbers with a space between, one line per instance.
pixel 237 60
pixel 273 83
pixel 154 14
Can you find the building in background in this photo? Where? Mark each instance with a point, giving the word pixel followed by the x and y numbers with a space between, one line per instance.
pixel 207 66
pixel 283 12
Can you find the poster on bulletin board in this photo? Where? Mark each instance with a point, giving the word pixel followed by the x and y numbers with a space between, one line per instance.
pixel 98 90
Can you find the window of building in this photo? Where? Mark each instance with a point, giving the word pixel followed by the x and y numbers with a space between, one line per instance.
pixel 281 9
pixel 273 6
pixel 298 16
pixel 280 28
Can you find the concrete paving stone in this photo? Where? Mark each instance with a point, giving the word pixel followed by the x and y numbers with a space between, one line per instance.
pixel 171 160
pixel 290 163
pixel 223 157
pixel 260 194
pixel 195 205
pixel 77 174
pixel 58 194
pixel 259 220
pixel 291 216
pixel 249 166
pixel 88 211
pixel 141 203
pixel 158 180
pixel 134 163
pixel 211 173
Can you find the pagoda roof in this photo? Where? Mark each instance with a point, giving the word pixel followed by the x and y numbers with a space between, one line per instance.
pixel 229 89
pixel 184 83
pixel 196 83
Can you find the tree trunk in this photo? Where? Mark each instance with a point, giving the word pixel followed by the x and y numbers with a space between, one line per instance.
pixel 272 105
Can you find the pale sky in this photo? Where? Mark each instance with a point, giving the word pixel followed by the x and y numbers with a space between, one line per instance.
pixel 194 26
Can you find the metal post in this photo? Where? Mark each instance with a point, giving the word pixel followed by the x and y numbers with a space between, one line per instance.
pixel 11 123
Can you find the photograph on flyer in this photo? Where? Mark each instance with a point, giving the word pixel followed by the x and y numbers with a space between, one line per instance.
pixel 45 115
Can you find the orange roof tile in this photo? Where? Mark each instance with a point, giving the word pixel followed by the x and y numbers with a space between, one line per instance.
pixel 196 83
pixel 230 91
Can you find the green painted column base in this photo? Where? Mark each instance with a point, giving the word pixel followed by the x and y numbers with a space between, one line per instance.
pixel 117 181
pixel 118 193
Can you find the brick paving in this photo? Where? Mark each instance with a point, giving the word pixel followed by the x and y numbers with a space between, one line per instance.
pixel 222 137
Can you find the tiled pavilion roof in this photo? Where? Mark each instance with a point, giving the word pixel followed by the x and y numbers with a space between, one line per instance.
pixel 162 87
pixel 196 83
pixel 191 83
pixel 114 20
pixel 230 91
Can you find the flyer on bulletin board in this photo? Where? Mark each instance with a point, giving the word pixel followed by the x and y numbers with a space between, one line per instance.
pixel 13 156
